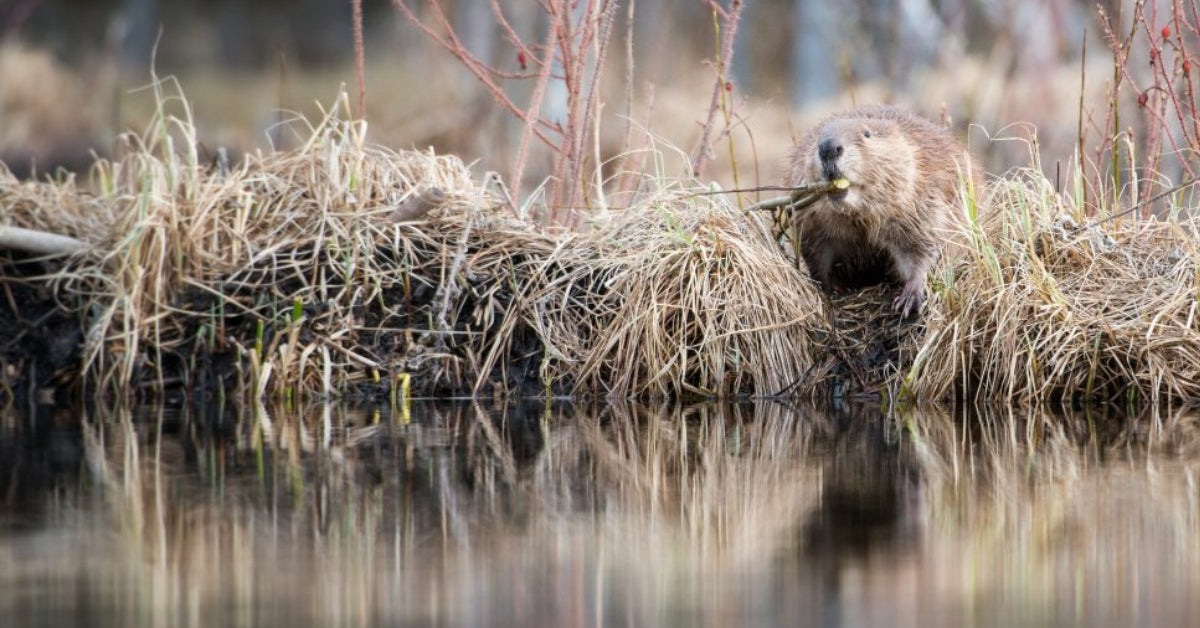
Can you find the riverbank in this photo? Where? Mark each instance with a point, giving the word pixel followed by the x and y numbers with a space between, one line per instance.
pixel 346 269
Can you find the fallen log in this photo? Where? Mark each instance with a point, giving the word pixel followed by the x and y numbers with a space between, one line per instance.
pixel 38 242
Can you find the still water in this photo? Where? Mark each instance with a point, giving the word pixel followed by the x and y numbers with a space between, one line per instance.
pixel 462 514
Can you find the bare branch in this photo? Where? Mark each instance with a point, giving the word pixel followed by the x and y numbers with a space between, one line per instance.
pixel 359 59
pixel 726 25
pixel 532 115
pixel 455 47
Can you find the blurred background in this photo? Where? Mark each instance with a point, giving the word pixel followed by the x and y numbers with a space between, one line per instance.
pixel 70 73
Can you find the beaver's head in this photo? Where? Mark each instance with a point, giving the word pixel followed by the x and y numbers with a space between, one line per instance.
pixel 873 154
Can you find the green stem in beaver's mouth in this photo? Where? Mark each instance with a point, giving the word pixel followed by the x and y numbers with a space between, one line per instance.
pixel 802 196
pixel 801 200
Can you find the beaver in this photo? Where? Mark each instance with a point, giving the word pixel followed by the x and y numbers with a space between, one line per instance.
pixel 890 222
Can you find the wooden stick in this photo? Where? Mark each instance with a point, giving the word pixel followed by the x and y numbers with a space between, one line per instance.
pixel 798 191
pixel 39 242
pixel 791 203
pixel 771 203
pixel 1130 210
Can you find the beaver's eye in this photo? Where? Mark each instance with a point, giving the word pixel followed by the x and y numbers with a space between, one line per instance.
pixel 866 132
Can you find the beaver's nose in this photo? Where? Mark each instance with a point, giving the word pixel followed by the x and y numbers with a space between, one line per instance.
pixel 829 150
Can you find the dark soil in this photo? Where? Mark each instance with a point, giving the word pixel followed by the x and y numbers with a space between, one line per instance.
pixel 394 331
pixel 40 340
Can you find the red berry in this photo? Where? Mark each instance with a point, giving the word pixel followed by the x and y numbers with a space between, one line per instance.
pixel 1166 32
pixel 1153 54
pixel 521 60
pixel 728 86
pixel 1187 67
pixel 1142 98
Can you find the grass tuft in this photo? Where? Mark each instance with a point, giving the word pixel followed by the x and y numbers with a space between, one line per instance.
pixel 1042 307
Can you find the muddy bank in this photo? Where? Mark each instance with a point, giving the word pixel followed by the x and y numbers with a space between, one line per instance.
pixel 345 269
pixel 515 323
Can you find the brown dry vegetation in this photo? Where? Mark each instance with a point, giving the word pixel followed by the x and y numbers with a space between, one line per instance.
pixel 1045 304
pixel 295 262
pixel 326 270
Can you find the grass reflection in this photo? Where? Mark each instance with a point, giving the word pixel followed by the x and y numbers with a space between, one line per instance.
pixel 552 514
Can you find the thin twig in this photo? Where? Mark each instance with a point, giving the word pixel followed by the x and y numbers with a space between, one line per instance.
pixel 482 71
pixel 1136 207
pixel 532 115
pixel 772 203
pixel 1079 129
pixel 359 57
pixel 727 27
pixel 796 190
pixel 606 15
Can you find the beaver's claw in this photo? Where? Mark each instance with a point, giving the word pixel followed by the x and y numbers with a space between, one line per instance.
pixel 911 299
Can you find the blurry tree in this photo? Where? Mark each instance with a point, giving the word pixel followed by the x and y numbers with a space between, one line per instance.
pixel 816 48
pixel 236 33
pixel 137 31
pixel 803 52
pixel 827 43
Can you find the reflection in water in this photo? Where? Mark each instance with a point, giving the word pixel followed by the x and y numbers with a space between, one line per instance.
pixel 870 509
pixel 535 515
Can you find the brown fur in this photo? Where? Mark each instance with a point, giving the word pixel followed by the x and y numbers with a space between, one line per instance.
pixel 892 222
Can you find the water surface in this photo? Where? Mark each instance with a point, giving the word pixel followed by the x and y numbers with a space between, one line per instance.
pixel 464 514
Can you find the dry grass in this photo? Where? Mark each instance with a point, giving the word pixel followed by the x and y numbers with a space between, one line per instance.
pixel 1044 305
pixel 675 296
pixel 299 262
pixel 343 267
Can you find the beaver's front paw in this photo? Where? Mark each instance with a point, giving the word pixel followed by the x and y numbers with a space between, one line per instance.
pixel 911 299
